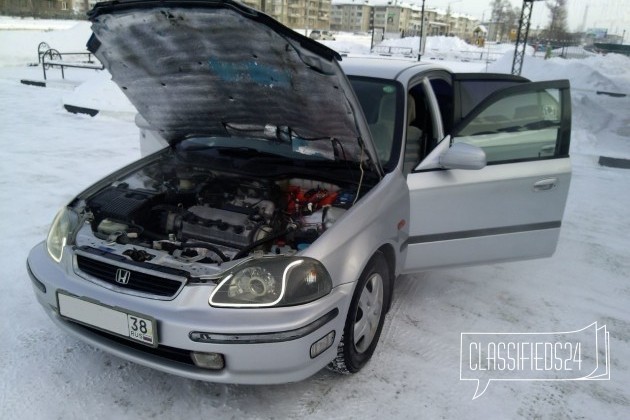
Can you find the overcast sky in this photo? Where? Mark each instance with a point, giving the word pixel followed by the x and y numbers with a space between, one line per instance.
pixel 611 14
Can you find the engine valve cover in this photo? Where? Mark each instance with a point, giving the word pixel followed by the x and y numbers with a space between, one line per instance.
pixel 217 226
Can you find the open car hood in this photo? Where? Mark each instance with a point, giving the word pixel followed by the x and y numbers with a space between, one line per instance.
pixel 219 68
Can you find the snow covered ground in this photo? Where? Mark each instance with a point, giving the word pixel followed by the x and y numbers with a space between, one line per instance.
pixel 48 155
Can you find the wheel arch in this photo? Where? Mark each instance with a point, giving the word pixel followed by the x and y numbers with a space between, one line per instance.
pixel 390 257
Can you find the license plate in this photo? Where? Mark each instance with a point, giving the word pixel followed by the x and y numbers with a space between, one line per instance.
pixel 134 326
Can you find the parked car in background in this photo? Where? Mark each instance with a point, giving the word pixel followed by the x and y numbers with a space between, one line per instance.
pixel 263 242
pixel 322 35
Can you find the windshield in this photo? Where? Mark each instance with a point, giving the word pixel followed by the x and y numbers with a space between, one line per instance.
pixel 382 101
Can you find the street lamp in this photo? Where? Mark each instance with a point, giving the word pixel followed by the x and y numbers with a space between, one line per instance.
pixel 423 29
pixel 308 3
pixel 420 49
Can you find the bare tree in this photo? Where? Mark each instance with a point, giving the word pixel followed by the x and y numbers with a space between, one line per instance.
pixel 503 19
pixel 557 28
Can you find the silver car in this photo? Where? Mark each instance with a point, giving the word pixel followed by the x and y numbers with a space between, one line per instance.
pixel 322 35
pixel 262 244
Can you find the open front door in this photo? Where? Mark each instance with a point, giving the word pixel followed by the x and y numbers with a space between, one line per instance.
pixel 512 208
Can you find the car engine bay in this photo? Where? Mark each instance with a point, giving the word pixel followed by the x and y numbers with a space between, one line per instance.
pixel 198 215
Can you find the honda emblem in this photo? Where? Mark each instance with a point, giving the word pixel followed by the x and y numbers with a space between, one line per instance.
pixel 122 276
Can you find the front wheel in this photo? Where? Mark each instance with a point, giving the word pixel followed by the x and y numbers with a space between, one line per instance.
pixel 365 317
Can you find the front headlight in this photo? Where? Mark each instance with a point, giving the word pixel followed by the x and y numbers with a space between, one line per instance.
pixel 274 281
pixel 61 229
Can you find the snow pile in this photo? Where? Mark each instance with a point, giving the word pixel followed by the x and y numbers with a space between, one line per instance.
pixel 348 43
pixel 95 90
pixel 99 92
pixel 442 46
pixel 436 45
pixel 595 73
pixel 29 23
pixel 436 48
pixel 412 42
pixel 448 43
pixel 19 47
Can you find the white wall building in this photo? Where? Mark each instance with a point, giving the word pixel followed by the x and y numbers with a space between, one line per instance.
pixel 401 17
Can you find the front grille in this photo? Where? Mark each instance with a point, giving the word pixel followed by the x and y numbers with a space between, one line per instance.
pixel 136 280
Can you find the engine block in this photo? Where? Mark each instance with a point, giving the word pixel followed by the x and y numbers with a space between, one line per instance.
pixel 223 227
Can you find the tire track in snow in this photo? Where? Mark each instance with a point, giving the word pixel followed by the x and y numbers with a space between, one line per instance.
pixel 405 288
pixel 314 394
pixel 410 328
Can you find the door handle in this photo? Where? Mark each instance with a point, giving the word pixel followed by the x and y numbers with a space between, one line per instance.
pixel 545 184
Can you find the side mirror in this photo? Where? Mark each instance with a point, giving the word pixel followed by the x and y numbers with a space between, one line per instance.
pixel 463 156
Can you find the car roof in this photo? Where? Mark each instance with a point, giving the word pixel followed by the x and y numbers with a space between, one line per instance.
pixel 383 67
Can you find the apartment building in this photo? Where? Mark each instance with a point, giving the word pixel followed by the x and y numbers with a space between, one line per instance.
pixel 351 16
pixel 297 14
pixel 340 15
pixel 398 17
pixel 393 17
pixel 38 8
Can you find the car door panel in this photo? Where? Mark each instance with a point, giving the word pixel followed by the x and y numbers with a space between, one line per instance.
pixel 454 221
pixel 511 209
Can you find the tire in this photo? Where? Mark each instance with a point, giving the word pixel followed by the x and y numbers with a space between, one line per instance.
pixel 365 317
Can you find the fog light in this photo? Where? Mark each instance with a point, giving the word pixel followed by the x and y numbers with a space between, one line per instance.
pixel 212 361
pixel 322 344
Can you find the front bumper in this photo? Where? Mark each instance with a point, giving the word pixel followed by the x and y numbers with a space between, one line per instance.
pixel 260 346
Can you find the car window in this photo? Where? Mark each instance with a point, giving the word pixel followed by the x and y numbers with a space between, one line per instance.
pixel 522 126
pixel 382 102
pixel 474 91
